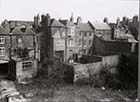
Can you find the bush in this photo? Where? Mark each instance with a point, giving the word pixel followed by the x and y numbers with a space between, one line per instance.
pixel 127 71
pixel 108 79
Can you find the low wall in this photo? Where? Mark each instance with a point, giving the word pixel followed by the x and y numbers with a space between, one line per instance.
pixel 83 71
pixel 110 60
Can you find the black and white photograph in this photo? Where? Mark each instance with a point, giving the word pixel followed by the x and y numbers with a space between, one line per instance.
pixel 69 51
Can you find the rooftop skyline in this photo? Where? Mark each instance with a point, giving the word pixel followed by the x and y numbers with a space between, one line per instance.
pixel 93 10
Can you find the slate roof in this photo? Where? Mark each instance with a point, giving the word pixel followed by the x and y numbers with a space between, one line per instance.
pixel 29 31
pixel 17 30
pixel 14 23
pixel 84 27
pixel 67 23
pixel 57 30
pixel 55 23
pixel 100 26
pixel 3 30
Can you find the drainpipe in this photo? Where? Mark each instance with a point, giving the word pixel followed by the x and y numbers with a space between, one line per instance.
pixel 82 42
pixel 66 44
pixel 139 58
pixel 34 44
pixel 10 46
pixel 9 64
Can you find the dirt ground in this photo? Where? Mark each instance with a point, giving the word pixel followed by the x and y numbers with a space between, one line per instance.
pixel 73 93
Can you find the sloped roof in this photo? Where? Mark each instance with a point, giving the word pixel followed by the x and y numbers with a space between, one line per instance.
pixel 14 23
pixel 67 23
pixel 3 30
pixel 84 27
pixel 101 26
pixel 17 30
pixel 57 30
pixel 29 31
pixel 55 23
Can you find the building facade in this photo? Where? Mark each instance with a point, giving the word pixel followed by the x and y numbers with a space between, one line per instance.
pixel 18 49
pixel 102 30
pixel 52 38
pixel 84 37
pixel 70 28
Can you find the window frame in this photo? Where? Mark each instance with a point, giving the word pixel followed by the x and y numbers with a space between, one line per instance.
pixel 2 51
pixel 28 65
pixel 2 39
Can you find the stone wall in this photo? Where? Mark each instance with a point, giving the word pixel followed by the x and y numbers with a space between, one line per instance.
pixel 83 71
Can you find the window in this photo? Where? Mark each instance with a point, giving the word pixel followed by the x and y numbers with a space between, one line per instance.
pixel 2 39
pixel 85 34
pixel 71 42
pixel 26 65
pixel 90 34
pixel 19 40
pixel 84 51
pixel 2 51
pixel 80 34
pixel 79 42
pixel 84 42
pixel 89 42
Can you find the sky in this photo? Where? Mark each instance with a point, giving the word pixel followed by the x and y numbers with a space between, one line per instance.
pixel 93 10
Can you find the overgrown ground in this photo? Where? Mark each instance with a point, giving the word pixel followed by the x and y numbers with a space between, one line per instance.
pixel 44 89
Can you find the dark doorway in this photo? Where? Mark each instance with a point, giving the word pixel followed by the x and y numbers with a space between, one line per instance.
pixel 3 70
pixel 60 54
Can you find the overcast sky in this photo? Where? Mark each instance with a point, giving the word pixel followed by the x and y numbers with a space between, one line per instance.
pixel 93 10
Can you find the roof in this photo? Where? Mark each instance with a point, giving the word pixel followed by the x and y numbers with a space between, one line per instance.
pixel 14 23
pixel 17 30
pixel 84 27
pixel 101 26
pixel 55 23
pixel 67 23
pixel 3 30
pixel 29 31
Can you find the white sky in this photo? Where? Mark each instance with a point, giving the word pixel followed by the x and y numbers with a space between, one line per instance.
pixel 93 10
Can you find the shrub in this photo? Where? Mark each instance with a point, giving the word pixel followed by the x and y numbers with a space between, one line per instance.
pixel 108 79
pixel 127 71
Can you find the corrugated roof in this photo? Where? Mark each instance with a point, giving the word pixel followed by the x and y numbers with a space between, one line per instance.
pixel 84 27
pixel 67 23
pixel 55 23
pixel 101 26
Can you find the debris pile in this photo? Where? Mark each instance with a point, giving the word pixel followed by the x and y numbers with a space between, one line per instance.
pixel 9 93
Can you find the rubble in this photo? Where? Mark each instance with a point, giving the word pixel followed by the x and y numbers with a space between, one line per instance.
pixel 29 95
pixel 9 92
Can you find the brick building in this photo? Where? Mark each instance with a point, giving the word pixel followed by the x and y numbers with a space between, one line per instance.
pixel 18 49
pixel 52 37
pixel 84 37
pixel 102 30
pixel 70 28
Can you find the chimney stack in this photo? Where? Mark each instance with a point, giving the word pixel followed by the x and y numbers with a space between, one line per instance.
pixel 135 18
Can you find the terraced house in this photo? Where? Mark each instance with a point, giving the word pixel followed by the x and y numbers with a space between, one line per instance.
pixel 70 33
pixel 85 36
pixel 18 52
pixel 52 39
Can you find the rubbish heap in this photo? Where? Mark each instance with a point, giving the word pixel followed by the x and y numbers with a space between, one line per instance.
pixel 9 93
